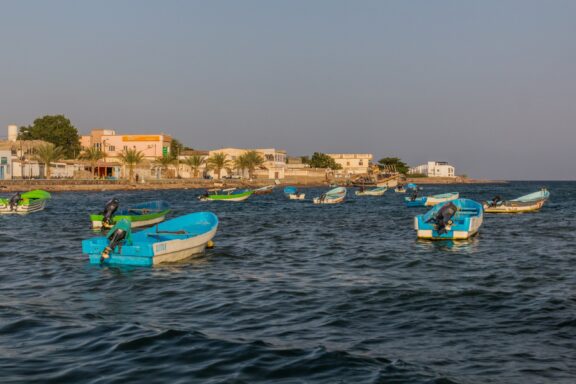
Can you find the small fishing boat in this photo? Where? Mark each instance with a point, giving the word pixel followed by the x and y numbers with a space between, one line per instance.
pixel 28 202
pixel 264 190
pixel 229 194
pixel 170 241
pixel 378 191
pixel 429 201
pixel 400 189
pixel 139 215
pixel 454 220
pixel 294 194
pixel 528 203
pixel 333 196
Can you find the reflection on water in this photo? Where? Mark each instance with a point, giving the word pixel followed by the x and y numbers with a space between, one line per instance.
pixel 295 293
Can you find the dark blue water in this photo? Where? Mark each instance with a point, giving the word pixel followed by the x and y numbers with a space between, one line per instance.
pixel 296 293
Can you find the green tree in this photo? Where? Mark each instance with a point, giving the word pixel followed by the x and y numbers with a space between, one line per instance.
pixel 253 161
pixel 393 164
pixel 47 154
pixel 321 160
pixel 55 129
pixel 195 162
pixel 93 156
pixel 241 163
pixel 217 162
pixel 176 148
pixel 164 162
pixel 131 157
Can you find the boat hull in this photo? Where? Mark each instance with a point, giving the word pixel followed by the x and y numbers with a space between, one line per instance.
pixel 297 196
pixel 134 222
pixel 231 197
pixel 24 209
pixel 334 196
pixel 372 192
pixel 430 201
pixel 504 208
pixel 465 224
pixel 318 200
pixel 163 244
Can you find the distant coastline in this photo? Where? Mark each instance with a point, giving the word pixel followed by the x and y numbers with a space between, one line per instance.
pixel 163 184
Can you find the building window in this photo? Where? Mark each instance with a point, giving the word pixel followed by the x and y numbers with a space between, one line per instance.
pixel 111 148
pixel 125 147
pixel 360 163
pixel 347 163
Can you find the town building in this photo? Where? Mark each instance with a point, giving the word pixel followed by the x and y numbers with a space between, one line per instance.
pixel 352 163
pixel 434 169
pixel 5 163
pixel 152 146
pixel 274 166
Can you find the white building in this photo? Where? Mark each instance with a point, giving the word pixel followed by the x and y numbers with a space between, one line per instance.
pixel 434 169
pixel 274 165
pixel 5 164
pixel 352 163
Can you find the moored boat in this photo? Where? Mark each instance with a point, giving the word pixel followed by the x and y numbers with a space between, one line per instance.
pixel 429 201
pixel 139 215
pixel 170 241
pixel 264 190
pixel 453 220
pixel 28 202
pixel 294 194
pixel 229 194
pixel 528 203
pixel 333 196
pixel 378 191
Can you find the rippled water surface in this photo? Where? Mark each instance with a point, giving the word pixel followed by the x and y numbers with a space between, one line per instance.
pixel 296 293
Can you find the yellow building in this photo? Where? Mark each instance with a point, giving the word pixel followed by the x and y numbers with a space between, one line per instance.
pixel 352 163
pixel 152 146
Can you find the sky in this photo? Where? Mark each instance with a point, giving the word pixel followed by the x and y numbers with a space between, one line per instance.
pixel 489 86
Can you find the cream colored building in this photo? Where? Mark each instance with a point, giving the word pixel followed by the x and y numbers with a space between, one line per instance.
pixel 352 163
pixel 434 169
pixel 274 166
pixel 152 146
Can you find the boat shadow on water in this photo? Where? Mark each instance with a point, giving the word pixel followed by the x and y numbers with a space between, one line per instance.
pixel 467 246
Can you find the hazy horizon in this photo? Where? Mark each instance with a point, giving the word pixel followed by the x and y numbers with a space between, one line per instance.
pixel 487 86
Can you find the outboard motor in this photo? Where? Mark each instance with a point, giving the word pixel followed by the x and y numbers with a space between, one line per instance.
pixel 109 210
pixel 414 195
pixel 495 201
pixel 14 200
pixel 443 217
pixel 120 233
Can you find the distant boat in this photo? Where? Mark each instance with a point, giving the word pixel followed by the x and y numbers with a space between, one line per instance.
pixel 389 180
pixel 334 196
pixel 294 194
pixel 528 203
pixel 454 220
pixel 378 191
pixel 171 241
pixel 28 202
pixel 429 201
pixel 229 194
pixel 139 215
pixel 400 189
pixel 264 190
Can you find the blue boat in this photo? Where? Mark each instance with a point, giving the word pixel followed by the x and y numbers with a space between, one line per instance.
pixel 454 220
pixel 140 215
pixel 428 201
pixel 170 241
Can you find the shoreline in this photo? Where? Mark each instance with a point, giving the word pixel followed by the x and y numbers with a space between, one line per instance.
pixel 8 186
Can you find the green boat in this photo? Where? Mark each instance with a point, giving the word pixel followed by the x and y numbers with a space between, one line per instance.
pixel 229 194
pixel 140 215
pixel 28 202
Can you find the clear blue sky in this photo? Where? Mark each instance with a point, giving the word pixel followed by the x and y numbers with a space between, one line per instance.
pixel 488 85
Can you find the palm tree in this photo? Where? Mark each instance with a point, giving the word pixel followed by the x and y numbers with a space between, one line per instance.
pixel 195 162
pixel 217 162
pixel 48 153
pixel 253 161
pixel 131 158
pixel 93 155
pixel 164 162
pixel 242 163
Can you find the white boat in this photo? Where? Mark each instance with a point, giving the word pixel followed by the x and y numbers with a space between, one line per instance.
pixel 527 203
pixel 334 196
pixel 32 201
pixel 379 191
pixel 297 196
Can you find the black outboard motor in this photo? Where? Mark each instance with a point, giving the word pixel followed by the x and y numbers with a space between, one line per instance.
pixel 115 238
pixel 109 210
pixel 444 217
pixel 414 195
pixel 14 200
pixel 495 201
